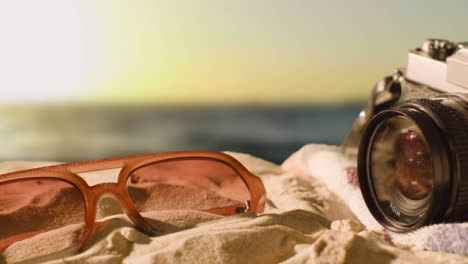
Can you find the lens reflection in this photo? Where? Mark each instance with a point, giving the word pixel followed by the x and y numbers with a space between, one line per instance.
pixel 402 168
pixel 413 174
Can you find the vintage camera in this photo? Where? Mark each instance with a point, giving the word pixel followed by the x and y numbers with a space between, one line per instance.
pixel 413 140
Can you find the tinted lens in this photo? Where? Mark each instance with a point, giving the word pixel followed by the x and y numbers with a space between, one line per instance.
pixel 401 168
pixel 413 170
pixel 33 207
pixel 196 184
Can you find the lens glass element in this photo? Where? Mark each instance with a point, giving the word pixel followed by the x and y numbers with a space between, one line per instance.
pixel 401 168
pixel 192 184
pixel 32 207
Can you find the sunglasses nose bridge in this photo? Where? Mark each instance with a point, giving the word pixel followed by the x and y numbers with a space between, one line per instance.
pixel 107 189
pixel 113 190
pixel 110 190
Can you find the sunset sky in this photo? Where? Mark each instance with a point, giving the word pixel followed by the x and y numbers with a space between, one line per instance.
pixel 209 52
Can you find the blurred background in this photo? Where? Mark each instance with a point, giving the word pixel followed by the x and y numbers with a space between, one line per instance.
pixel 93 79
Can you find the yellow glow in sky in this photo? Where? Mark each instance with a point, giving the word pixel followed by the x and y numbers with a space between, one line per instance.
pixel 198 52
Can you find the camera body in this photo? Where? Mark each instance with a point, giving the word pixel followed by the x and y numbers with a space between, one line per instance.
pixel 440 66
pixel 413 140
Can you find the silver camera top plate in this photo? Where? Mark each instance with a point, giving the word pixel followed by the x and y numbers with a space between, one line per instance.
pixel 441 65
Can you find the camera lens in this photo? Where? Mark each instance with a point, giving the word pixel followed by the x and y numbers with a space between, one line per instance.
pixel 413 163
pixel 401 168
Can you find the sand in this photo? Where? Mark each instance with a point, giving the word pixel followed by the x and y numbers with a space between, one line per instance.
pixel 304 222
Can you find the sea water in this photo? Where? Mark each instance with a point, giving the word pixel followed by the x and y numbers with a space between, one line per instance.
pixel 78 132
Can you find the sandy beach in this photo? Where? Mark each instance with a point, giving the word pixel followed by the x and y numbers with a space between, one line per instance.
pixel 304 222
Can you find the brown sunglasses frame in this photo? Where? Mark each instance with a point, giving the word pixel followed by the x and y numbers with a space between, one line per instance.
pixel 91 194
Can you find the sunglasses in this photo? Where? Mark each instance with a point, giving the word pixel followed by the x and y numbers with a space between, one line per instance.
pixel 54 198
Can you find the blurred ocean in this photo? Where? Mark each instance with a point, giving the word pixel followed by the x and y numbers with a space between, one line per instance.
pixel 78 132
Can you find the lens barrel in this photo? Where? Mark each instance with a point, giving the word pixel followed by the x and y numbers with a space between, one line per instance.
pixel 413 163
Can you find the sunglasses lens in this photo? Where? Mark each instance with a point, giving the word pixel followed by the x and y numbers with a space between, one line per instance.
pixel 194 184
pixel 31 207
